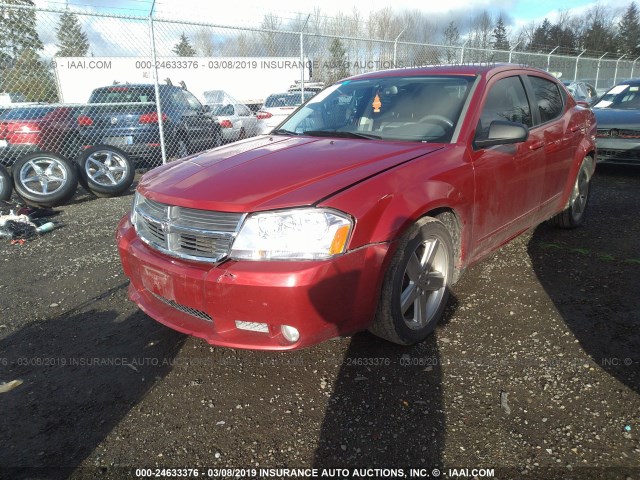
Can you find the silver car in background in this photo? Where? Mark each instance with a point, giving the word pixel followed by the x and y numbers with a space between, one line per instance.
pixel 236 121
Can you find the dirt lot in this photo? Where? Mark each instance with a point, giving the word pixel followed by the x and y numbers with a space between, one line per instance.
pixel 535 372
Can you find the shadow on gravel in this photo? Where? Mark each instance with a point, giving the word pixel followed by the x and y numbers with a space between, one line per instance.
pixel 592 273
pixel 386 410
pixel 80 379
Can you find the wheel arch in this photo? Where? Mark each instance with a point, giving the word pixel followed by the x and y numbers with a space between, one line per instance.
pixel 386 217
pixel 451 220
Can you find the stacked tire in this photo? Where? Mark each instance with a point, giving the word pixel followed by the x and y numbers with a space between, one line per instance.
pixel 46 179
pixel 6 186
pixel 105 171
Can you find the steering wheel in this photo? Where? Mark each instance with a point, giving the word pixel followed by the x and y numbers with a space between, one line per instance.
pixel 437 119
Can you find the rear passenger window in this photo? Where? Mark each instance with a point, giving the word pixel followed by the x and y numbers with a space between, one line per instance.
pixel 507 100
pixel 548 98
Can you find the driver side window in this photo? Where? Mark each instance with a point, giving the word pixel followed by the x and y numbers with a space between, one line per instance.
pixel 507 100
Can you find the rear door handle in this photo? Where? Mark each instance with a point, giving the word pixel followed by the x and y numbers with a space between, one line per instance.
pixel 536 145
pixel 575 128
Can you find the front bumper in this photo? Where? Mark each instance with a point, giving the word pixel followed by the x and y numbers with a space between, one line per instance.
pixel 321 299
pixel 618 150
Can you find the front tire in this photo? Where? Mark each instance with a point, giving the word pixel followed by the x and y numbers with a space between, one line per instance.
pixel 6 187
pixel 416 284
pixel 45 179
pixel 574 214
pixel 106 171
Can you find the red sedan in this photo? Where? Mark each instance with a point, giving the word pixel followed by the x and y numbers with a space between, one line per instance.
pixel 360 210
pixel 38 128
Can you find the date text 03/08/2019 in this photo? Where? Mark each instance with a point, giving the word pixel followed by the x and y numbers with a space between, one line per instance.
pixel 342 473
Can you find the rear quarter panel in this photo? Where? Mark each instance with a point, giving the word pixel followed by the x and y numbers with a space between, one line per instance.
pixel 586 147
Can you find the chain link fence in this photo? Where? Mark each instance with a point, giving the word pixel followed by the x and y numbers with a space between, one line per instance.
pixel 114 93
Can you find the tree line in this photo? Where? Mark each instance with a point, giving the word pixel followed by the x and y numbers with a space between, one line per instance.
pixel 594 32
pixel 22 69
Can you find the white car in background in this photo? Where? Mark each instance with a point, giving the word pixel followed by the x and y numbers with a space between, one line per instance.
pixel 277 107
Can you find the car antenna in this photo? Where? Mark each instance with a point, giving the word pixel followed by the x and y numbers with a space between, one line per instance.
pixel 168 81
pixel 183 85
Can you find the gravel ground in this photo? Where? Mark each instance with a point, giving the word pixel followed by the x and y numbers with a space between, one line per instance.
pixel 535 371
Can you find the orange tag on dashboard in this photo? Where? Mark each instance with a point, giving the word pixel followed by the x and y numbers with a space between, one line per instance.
pixel 376 104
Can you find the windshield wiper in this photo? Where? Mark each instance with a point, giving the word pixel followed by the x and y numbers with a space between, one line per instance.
pixel 340 134
pixel 282 131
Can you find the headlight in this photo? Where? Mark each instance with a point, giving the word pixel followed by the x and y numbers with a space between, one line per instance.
pixel 299 234
pixel 134 213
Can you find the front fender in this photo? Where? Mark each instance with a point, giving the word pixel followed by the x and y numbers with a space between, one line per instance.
pixel 385 205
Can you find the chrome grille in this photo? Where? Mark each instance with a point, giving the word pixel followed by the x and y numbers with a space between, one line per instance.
pixel 184 309
pixel 186 232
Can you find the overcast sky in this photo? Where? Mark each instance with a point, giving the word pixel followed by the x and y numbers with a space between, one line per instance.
pixel 246 12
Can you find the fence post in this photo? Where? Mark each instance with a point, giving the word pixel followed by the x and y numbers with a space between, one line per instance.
pixel 512 49
pixel 156 85
pixel 575 73
pixel 302 65
pixel 615 73
pixel 549 57
pixel 634 66
pixel 395 47
pixel 462 51
pixel 598 69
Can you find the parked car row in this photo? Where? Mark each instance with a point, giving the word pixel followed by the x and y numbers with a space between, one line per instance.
pixel 50 148
pixel 618 116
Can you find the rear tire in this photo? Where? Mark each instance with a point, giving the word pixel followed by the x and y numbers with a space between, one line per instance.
pixel 217 139
pixel 45 179
pixel 180 147
pixel 6 186
pixel 416 284
pixel 106 171
pixel 573 216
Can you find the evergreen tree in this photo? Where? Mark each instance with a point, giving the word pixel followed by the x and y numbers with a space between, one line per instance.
pixel 451 38
pixel 598 38
pixel 562 37
pixel 500 41
pixel 72 41
pixel 17 31
pixel 184 48
pixel 629 31
pixel 338 64
pixel 30 77
pixel 541 35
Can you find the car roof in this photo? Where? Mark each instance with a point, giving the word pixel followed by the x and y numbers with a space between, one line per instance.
pixel 139 85
pixel 482 69
pixel 631 81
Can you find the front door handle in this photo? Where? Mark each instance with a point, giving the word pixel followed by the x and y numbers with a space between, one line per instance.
pixel 536 145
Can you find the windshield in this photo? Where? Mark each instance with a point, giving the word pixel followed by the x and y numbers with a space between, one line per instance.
pixel 122 95
pixel 286 99
pixel 222 110
pixel 424 109
pixel 621 96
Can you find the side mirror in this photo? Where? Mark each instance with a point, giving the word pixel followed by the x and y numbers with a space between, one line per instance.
pixel 206 108
pixel 503 133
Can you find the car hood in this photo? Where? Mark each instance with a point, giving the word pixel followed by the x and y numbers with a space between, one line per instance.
pixel 614 118
pixel 271 172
